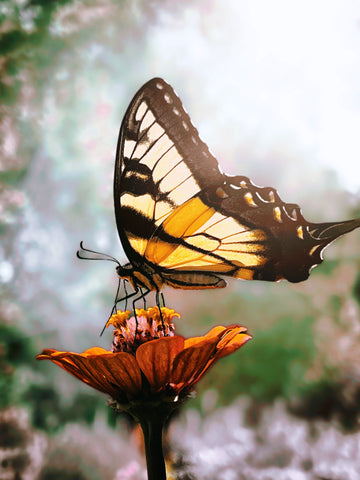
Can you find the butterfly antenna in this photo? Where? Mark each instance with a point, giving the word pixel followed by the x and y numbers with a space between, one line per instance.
pixel 87 254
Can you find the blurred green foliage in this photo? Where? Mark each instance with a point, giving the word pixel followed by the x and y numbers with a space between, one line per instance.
pixel 356 289
pixel 14 353
pixel 13 177
pixel 327 400
pixel 49 412
pixel 53 473
pixel 272 365
pixel 26 50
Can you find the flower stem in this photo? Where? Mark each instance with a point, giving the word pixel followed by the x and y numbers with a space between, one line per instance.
pixel 152 429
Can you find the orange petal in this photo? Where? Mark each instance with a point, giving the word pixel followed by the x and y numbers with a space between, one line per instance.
pixel 48 352
pixel 189 363
pixel 95 351
pixel 231 342
pixel 67 361
pixel 113 373
pixel 215 332
pixel 121 371
pixel 156 357
pixel 223 341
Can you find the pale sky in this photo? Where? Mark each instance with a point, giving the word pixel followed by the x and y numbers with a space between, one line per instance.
pixel 277 72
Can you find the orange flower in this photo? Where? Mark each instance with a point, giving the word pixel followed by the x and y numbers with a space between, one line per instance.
pixel 146 365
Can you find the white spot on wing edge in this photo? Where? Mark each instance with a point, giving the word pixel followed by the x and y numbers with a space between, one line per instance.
pixel 277 214
pixel 249 199
pixel 185 125
pixel 167 98
pixel 271 196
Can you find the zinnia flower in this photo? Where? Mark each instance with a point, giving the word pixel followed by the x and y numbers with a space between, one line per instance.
pixel 146 363
pixel 149 371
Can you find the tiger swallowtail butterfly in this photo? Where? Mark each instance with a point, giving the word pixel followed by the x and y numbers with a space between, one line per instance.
pixel 184 223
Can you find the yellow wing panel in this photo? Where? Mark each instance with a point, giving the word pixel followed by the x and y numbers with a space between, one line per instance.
pixel 223 236
pixel 183 256
pixel 188 218
pixel 241 259
pixel 137 243
pixel 250 247
pixel 203 242
pixel 225 227
pixel 246 236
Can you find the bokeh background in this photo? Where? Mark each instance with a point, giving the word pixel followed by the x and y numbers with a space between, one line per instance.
pixel 274 89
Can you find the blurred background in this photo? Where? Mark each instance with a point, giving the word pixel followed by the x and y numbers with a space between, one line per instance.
pixel 274 89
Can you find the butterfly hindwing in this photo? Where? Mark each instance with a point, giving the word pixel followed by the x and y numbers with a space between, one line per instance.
pixel 179 214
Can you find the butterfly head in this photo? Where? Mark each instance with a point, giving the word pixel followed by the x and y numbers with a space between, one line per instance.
pixel 126 272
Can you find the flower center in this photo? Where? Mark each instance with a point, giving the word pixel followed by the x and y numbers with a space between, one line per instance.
pixel 131 332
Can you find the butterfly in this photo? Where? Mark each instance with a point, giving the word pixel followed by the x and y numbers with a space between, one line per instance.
pixel 184 223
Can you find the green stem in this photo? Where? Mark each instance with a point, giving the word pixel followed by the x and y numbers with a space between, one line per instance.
pixel 152 429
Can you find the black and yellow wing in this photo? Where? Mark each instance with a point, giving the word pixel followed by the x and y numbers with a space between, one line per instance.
pixel 181 219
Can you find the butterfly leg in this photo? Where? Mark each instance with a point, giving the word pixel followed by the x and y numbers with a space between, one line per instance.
pixel 143 293
pixel 142 296
pixel 117 296
pixel 158 296
pixel 113 310
pixel 126 294
pixel 125 298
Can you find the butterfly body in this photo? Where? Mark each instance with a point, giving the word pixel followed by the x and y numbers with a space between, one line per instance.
pixel 184 223
pixel 144 277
